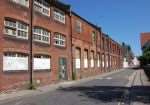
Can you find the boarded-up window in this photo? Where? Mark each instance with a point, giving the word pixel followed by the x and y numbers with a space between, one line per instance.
pixel 110 60
pixel 77 58
pixel 15 61
pixel 103 60
pixel 106 60
pixel 98 60
pixel 92 59
pixel 42 62
pixel 85 58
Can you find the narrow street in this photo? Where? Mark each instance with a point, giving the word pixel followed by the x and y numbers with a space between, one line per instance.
pixel 109 90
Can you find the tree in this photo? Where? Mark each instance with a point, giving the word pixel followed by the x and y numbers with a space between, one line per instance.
pixel 145 58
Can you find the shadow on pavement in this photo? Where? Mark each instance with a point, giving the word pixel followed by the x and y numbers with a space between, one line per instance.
pixel 147 71
pixel 113 93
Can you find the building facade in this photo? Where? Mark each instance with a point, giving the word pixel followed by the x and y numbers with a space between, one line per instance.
pixel 65 45
pixel 145 40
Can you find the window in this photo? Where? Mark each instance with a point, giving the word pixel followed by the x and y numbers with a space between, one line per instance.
pixel 110 61
pixel 98 60
pixel 42 6
pixel 22 2
pixel 94 36
pixel 42 62
pixel 107 61
pixel 92 59
pixel 15 61
pixel 78 26
pixel 85 58
pixel 41 35
pixel 59 16
pixel 77 58
pixel 59 40
pixel 103 60
pixel 16 29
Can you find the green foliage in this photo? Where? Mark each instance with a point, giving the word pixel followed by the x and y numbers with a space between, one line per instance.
pixel 32 87
pixel 145 58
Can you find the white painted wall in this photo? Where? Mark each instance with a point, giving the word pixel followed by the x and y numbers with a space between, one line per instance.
pixel 125 63
pixel 136 62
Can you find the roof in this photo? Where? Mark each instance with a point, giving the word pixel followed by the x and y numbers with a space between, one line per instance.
pixel 90 23
pixel 61 5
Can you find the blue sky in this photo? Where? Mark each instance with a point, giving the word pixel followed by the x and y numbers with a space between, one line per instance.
pixel 123 20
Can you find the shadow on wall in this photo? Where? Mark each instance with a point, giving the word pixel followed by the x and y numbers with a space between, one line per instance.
pixel 112 93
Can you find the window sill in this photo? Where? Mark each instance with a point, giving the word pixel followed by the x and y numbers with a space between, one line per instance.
pixel 41 43
pixel 15 71
pixel 42 70
pixel 9 37
pixel 42 15
pixel 60 47
pixel 56 21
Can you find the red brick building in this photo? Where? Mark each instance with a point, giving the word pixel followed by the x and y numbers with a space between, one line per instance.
pixel 145 37
pixel 65 45
pixel 93 51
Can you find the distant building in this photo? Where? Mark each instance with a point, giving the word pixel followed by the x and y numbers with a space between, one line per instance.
pixel 127 55
pixel 145 40
pixel 136 62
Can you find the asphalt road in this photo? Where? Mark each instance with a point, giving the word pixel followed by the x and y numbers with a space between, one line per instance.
pixel 109 90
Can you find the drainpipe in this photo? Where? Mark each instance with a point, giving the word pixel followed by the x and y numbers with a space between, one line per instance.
pixel 72 62
pixel 30 45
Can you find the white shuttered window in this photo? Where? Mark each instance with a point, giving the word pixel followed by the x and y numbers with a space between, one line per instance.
pixel 42 62
pixel 77 58
pixel 92 59
pixel 85 58
pixel 15 61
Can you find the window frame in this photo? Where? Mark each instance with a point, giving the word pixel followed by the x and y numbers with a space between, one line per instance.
pixel 42 35
pixel 42 8
pixel 78 26
pixel 92 60
pixel 16 28
pixel 15 55
pixel 86 58
pixel 40 57
pixel 61 39
pixel 59 16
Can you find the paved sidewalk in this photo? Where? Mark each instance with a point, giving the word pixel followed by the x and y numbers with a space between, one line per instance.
pixel 140 90
pixel 52 87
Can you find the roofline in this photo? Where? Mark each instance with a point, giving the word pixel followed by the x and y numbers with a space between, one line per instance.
pixel 64 7
pixel 90 23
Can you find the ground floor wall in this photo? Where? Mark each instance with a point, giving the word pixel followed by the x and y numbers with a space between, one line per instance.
pixel 20 79
pixel 83 61
pixel 102 61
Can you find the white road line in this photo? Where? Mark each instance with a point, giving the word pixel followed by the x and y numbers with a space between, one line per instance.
pixel 109 78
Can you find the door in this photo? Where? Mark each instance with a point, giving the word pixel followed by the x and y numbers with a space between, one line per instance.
pixel 63 69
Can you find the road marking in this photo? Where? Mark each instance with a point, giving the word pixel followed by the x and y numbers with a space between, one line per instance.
pixel 109 78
